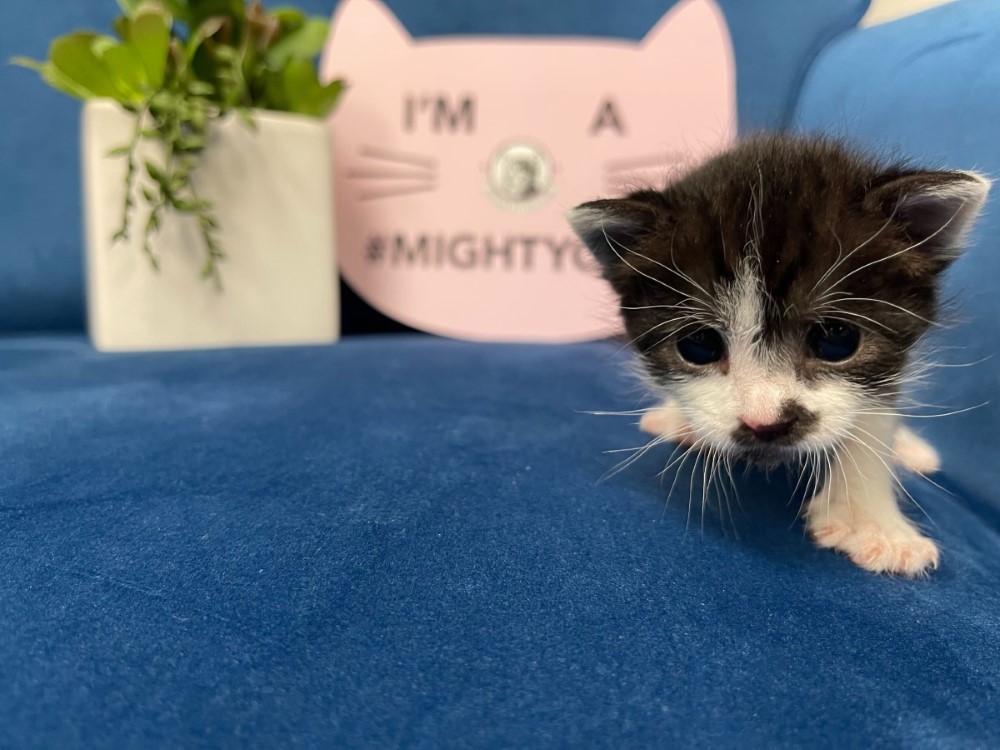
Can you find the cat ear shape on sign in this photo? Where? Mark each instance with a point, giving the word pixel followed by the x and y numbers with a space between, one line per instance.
pixel 936 210
pixel 696 24
pixel 364 28
pixel 611 228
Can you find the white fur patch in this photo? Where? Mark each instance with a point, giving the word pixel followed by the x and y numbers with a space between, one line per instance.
pixel 759 381
pixel 914 453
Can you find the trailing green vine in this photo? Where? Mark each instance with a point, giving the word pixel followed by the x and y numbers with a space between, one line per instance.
pixel 179 66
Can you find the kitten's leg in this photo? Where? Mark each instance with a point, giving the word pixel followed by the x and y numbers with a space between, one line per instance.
pixel 856 512
pixel 667 419
pixel 914 453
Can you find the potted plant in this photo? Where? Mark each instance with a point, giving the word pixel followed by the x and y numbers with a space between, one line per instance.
pixel 207 179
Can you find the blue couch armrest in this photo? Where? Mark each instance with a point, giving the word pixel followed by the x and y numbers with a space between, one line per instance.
pixel 928 86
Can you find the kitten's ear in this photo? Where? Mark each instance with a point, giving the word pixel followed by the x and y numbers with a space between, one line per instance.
pixel 611 228
pixel 936 209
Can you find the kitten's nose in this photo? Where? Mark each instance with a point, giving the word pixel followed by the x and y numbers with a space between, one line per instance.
pixel 767 433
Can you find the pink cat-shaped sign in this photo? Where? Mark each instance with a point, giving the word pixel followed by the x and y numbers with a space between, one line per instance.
pixel 457 158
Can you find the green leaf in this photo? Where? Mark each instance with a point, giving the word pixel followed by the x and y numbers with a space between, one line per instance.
pixel 123 27
pixel 200 88
pixel 192 205
pixel 74 57
pixel 225 53
pixel 200 10
pixel 158 175
pixel 208 28
pixel 304 44
pixel 119 152
pixel 247 118
pixel 53 77
pixel 127 68
pixel 179 9
pixel 305 94
pixel 289 18
pixel 27 62
pixel 190 143
pixel 150 38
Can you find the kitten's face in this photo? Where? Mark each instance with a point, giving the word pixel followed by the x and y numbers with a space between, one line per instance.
pixel 777 290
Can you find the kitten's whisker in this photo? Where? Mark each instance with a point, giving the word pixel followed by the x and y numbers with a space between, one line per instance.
pixel 704 484
pixel 843 473
pixel 680 459
pixel 837 311
pixel 944 365
pixel 611 245
pixel 665 267
pixel 661 307
pixel 632 413
pixel 640 452
pixel 721 494
pixel 732 482
pixel 660 475
pixel 891 471
pixel 693 321
pixel 691 450
pixel 798 482
pixel 805 496
pixel 890 304
pixel 859 247
pixel 833 266
pixel 902 415
pixel 698 458
pixel 829 473
pixel 914 246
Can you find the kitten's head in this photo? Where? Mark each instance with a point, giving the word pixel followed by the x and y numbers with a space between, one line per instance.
pixel 777 290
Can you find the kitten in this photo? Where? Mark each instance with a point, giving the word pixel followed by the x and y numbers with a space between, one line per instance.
pixel 774 295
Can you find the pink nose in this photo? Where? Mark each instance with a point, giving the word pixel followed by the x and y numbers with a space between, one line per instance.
pixel 766 432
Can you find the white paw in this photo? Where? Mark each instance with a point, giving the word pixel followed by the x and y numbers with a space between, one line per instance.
pixel 667 420
pixel 896 548
pixel 914 453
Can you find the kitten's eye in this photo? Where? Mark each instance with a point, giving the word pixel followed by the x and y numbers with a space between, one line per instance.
pixel 832 340
pixel 702 347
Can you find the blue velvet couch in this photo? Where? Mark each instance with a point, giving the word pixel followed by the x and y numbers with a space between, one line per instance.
pixel 401 541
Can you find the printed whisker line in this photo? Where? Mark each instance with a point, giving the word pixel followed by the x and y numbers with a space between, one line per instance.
pixel 397 192
pixel 401 157
pixel 640 162
pixel 387 174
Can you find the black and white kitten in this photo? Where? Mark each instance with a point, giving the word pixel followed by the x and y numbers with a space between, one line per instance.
pixel 774 295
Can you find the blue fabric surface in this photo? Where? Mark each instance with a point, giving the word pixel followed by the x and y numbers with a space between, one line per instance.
pixel 41 277
pixel 929 86
pixel 403 542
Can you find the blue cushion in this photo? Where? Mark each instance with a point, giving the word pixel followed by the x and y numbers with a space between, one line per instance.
pixel 929 87
pixel 403 542
pixel 40 253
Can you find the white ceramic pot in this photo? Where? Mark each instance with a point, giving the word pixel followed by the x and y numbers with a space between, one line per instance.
pixel 272 190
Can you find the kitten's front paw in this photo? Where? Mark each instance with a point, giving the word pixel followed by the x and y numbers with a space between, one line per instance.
pixel 899 550
pixel 667 420
pixel 915 453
